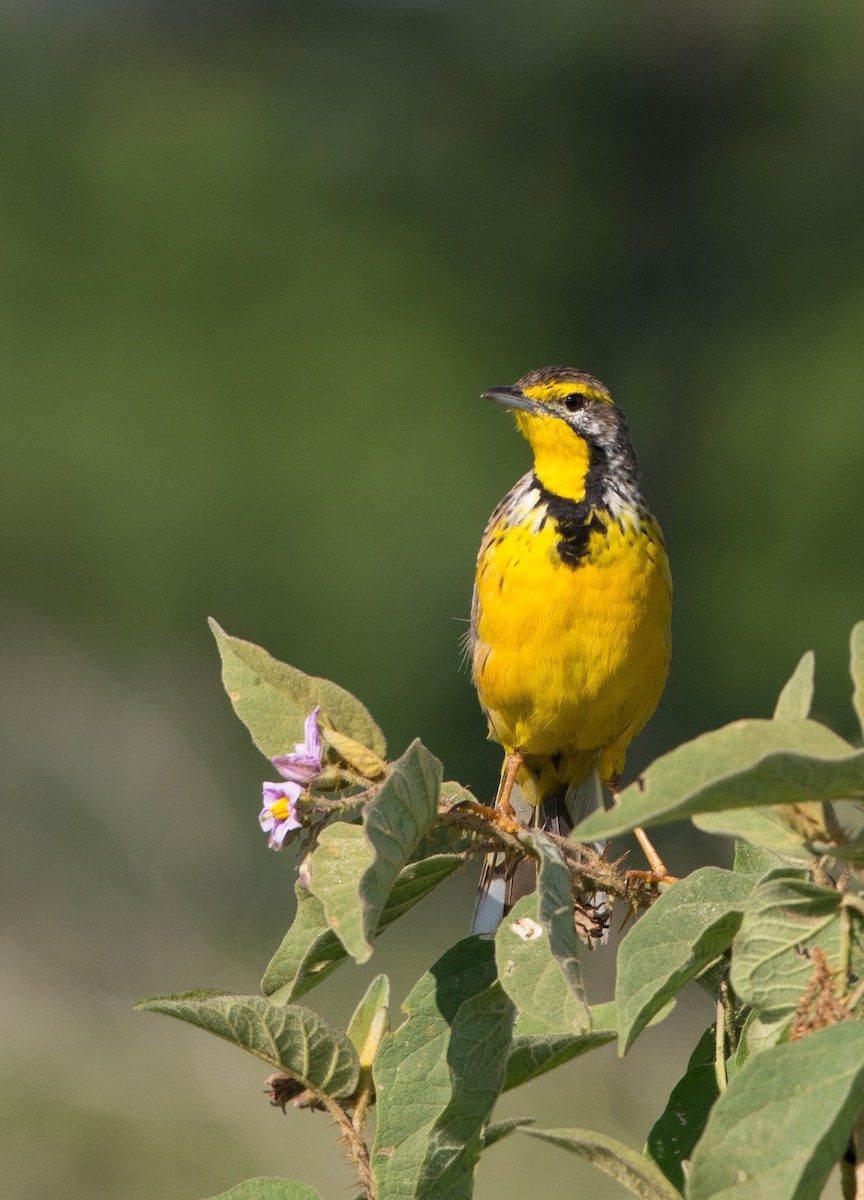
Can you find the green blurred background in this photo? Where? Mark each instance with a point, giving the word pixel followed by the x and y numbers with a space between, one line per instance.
pixel 258 262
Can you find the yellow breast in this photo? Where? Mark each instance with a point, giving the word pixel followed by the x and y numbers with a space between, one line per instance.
pixel 570 660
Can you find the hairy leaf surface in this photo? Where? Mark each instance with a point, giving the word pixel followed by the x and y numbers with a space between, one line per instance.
pixel 796 698
pixel 856 670
pixel 761 826
pixel 273 699
pixel 311 951
pixel 536 949
pixel 771 957
pixel 630 1168
pixel 269 1189
pixel 290 1038
pixel 354 869
pixel 534 1051
pixel 691 923
pixel 748 763
pixel 784 1121
pixel 438 1077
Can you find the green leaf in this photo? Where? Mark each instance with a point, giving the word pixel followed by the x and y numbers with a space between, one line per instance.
pixel 856 669
pixel 705 1050
pixel 676 1132
pixel 783 921
pixel 534 1053
pixel 447 839
pixel 691 923
pixel 353 870
pixel 712 977
pixel 623 1164
pixel 273 699
pixel 311 951
pixel 537 951
pixel 438 1076
pixel 415 882
pixel 500 1129
pixel 755 860
pixel 783 1123
pixel 369 1022
pixel 269 1189
pixel 761 826
pixel 748 763
pixel 758 1035
pixel 356 755
pixel 797 696
pixel 333 873
pixel 290 1038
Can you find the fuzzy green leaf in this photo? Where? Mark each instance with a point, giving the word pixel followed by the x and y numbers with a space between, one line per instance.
pixel 856 670
pixel 631 1169
pixel 533 1051
pixel 500 1129
pixel 783 921
pixel 415 882
pixel 758 1035
pixel 273 699
pixel 756 860
pixel 748 763
pixel 267 1188
pixel 438 1076
pixel 333 873
pixel 761 826
pixel 537 951
pixel 678 1129
pixel 311 951
pixel 369 1023
pixel 353 870
pixel 784 1122
pixel 289 1038
pixel 796 698
pixel 691 923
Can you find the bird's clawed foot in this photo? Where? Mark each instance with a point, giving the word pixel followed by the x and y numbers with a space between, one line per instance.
pixel 495 816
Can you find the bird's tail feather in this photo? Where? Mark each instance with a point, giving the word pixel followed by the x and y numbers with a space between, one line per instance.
pixel 503 882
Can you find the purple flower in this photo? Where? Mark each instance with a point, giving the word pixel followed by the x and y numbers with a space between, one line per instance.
pixel 279 814
pixel 305 763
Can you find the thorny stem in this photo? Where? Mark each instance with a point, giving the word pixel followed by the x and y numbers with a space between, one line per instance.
pixel 589 871
pixel 360 1110
pixel 821 874
pixel 358 1151
pixel 727 996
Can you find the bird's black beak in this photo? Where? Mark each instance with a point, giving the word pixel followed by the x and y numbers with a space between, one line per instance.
pixel 511 397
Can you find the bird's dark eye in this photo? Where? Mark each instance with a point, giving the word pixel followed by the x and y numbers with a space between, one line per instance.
pixel 574 402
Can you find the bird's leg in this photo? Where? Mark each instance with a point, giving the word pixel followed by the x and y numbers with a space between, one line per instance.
pixel 512 763
pixel 658 872
pixel 655 862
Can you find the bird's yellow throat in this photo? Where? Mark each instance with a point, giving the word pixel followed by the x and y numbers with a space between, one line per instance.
pixel 561 456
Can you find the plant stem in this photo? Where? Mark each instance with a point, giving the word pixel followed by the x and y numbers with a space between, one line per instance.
pixel 358 1151
pixel 720 1045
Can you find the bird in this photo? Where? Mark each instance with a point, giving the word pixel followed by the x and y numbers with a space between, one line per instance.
pixel 570 631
